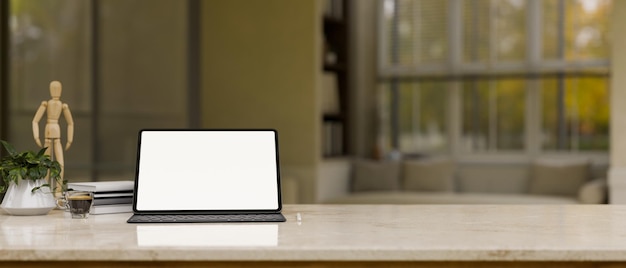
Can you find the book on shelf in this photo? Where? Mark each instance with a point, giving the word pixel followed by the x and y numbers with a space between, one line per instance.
pixel 113 208
pixel 103 186
pixel 330 94
pixel 332 139
pixel 333 9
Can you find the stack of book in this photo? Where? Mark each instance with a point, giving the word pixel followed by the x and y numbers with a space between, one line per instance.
pixel 109 196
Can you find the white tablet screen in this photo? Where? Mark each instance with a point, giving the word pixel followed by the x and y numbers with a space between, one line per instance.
pixel 207 170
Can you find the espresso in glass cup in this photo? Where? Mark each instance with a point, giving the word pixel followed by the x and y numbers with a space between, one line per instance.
pixel 79 203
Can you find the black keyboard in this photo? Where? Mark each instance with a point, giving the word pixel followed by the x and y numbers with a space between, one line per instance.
pixel 187 218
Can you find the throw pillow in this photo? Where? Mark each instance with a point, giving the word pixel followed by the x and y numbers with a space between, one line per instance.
pixel 428 175
pixel 593 192
pixel 558 177
pixel 375 176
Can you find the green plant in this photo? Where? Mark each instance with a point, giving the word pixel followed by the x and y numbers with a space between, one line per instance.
pixel 27 165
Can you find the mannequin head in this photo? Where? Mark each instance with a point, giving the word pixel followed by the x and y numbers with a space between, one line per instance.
pixel 55 89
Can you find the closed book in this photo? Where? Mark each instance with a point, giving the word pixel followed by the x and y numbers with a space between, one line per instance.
pixel 109 209
pixel 113 200
pixel 102 186
pixel 98 195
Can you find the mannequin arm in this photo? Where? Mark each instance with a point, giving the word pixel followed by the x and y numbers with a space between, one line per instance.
pixel 70 125
pixel 36 119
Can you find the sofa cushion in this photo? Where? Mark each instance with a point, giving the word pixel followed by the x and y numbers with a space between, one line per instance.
pixel 428 175
pixel 448 198
pixel 593 192
pixel 558 177
pixel 493 178
pixel 375 176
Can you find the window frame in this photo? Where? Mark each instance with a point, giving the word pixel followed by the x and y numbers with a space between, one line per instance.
pixel 95 168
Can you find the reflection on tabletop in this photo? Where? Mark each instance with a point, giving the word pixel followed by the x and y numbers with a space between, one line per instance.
pixel 239 235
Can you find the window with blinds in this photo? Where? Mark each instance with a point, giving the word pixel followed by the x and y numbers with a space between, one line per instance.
pixel 416 33
pixel 492 32
pixel 471 76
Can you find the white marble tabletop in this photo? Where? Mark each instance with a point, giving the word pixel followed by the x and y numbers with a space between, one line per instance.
pixel 334 233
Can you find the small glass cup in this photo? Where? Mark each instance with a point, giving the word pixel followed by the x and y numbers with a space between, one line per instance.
pixel 79 203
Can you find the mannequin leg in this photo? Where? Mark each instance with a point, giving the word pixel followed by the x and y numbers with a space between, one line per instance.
pixel 47 144
pixel 58 153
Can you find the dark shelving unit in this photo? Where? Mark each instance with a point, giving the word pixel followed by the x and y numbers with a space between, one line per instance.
pixel 335 62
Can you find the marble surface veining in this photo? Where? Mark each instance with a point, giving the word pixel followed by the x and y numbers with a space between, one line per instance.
pixel 334 232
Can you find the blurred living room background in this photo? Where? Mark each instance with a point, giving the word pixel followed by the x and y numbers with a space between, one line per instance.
pixel 489 85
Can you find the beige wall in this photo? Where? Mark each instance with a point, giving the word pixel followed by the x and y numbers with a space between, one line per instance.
pixel 259 69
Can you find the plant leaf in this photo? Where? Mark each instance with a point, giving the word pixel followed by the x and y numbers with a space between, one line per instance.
pixel 8 147
pixel 39 187
pixel 27 165
pixel 41 152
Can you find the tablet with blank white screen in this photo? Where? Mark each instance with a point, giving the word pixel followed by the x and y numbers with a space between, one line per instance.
pixel 212 172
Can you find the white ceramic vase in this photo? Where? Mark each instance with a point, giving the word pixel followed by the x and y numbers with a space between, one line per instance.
pixel 20 200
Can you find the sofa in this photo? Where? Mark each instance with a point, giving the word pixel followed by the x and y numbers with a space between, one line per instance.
pixel 443 181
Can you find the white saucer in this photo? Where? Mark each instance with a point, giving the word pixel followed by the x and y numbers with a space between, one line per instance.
pixel 28 211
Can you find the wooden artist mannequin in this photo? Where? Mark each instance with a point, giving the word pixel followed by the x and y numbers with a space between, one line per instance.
pixel 52 133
